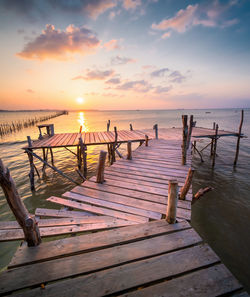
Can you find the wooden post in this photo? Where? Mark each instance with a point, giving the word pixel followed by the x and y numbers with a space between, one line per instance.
pixel 24 219
pixel 80 131
pixel 238 140
pixel 188 182
pixel 83 156
pixel 116 135
pixel 108 125
pixel 129 155
pixel 172 201
pixel 52 130
pixel 215 145
pixel 191 121
pixel 32 172
pixel 214 125
pixel 155 127
pixel 131 127
pixel 184 139
pixel 45 158
pixel 52 157
pixel 146 140
pixel 100 167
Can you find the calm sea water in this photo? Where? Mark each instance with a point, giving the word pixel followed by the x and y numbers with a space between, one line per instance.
pixel 221 217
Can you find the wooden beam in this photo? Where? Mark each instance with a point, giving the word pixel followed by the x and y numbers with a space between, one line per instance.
pixel 215 144
pixel 184 190
pixel 25 220
pixel 108 125
pixel 146 140
pixel 131 127
pixel 184 139
pixel 101 167
pixel 172 201
pixel 155 127
pixel 129 146
pixel 238 140
pixel 191 121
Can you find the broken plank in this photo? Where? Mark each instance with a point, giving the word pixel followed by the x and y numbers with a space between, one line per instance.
pixel 59 213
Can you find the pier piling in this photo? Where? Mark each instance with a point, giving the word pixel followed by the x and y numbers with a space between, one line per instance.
pixel 172 201
pixel 100 167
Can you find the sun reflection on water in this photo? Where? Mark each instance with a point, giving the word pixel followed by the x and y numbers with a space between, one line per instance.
pixel 82 121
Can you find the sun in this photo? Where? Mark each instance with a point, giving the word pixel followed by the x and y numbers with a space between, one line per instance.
pixel 80 100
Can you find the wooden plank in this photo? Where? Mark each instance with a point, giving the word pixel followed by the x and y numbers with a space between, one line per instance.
pixel 143 204
pixel 46 141
pixel 17 234
pixel 132 208
pixel 44 212
pixel 105 135
pixel 72 139
pixel 122 278
pixel 91 242
pixel 87 138
pixel 98 210
pixel 44 272
pixel 76 141
pixel 101 136
pixel 59 140
pixel 212 281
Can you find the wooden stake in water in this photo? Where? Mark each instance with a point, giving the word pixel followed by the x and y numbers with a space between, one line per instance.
pixel 184 190
pixel 184 139
pixel 238 140
pixel 146 140
pixel 129 155
pixel 155 127
pixel 215 145
pixel 191 122
pixel 172 201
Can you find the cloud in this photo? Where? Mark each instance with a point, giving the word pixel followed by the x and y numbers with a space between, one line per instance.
pixel 114 81
pixel 30 91
pixel 60 45
pixel 95 75
pixel 131 4
pixel 160 72
pixel 135 85
pixel 113 44
pixel 207 15
pixel 177 77
pixel 121 60
pixel 160 89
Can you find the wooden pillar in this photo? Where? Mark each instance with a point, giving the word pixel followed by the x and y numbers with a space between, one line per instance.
pixel 184 190
pixel 101 167
pixel 45 158
pixel 155 127
pixel 184 139
pixel 191 121
pixel 214 125
pixel 108 125
pixel 32 172
pixel 52 157
pixel 238 140
pixel 215 145
pixel 131 127
pixel 80 131
pixel 129 146
pixel 83 156
pixel 116 135
pixel 172 201
pixel 146 140
pixel 24 219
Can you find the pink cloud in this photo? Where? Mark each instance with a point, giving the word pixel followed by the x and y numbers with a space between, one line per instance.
pixel 95 8
pixel 122 60
pixel 131 4
pixel 166 35
pixel 95 75
pixel 60 45
pixel 112 45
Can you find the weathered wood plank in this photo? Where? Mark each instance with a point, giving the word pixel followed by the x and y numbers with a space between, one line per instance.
pixel 44 272
pixel 59 213
pixel 98 210
pixel 123 278
pixel 213 281
pixel 91 242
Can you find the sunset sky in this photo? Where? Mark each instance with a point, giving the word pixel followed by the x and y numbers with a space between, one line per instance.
pixel 124 54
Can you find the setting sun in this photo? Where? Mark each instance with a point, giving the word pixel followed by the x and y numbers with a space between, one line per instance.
pixel 80 100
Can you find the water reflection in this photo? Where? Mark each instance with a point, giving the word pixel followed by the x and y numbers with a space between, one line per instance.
pixel 81 120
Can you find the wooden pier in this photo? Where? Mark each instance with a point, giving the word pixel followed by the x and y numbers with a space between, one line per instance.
pixel 144 246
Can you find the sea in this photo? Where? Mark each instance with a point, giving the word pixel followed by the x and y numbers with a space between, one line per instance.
pixel 221 217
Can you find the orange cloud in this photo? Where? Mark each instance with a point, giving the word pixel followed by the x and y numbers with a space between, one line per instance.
pixel 112 45
pixel 95 75
pixel 60 45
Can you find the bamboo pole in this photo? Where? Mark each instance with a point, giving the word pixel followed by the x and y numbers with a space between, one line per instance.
pixel 238 140
pixel 129 146
pixel 191 121
pixel 101 167
pixel 184 190
pixel 172 201
pixel 146 140
pixel 215 144
pixel 184 139
pixel 24 219
pixel 155 127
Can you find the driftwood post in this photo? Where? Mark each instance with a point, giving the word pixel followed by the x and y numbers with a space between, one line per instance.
pixel 131 127
pixel 215 145
pixel 184 190
pixel 214 125
pixel 238 140
pixel 24 219
pixel 184 139
pixel 172 201
pixel 191 122
pixel 83 156
pixel 146 140
pixel 155 127
pixel 31 173
pixel 100 167
pixel 129 155
pixel 108 125
pixel 52 157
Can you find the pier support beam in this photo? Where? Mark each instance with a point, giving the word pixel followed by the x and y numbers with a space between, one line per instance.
pixel 155 127
pixel 184 139
pixel 184 190
pixel 24 219
pixel 215 145
pixel 131 127
pixel 238 140
pixel 101 167
pixel 172 201
pixel 146 140
pixel 191 123
pixel 129 146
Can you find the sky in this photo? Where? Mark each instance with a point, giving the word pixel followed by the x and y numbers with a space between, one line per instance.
pixel 124 54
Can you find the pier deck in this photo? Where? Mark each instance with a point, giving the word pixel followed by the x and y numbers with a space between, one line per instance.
pixel 142 256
